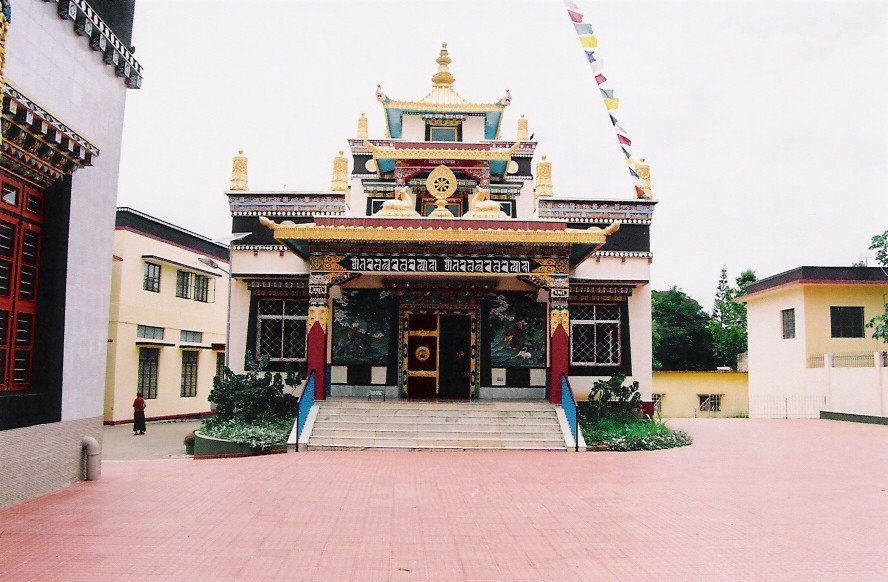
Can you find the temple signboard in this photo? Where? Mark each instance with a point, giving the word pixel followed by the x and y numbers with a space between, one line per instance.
pixel 439 264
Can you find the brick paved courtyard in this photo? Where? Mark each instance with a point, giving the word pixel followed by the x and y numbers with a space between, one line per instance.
pixel 797 499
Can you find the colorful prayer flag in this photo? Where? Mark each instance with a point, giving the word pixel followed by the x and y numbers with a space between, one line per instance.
pixel 575 16
pixel 611 104
pixel 583 28
pixel 597 65
pixel 626 153
pixel 624 140
pixel 606 93
pixel 613 120
pixel 639 192
pixel 588 41
pixel 633 172
pixel 590 56
pixel 571 5
pixel 599 78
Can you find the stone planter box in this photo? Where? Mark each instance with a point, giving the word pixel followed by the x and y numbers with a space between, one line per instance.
pixel 207 446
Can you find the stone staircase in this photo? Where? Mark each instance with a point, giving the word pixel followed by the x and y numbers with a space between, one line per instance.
pixel 344 424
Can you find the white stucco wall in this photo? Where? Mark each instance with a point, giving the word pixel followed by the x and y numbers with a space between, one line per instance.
pixel 54 67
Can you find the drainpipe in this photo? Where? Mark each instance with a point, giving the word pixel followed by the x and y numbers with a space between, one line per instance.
pixel 93 458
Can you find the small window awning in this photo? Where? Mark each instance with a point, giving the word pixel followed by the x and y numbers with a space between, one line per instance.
pixel 158 259
pixel 153 343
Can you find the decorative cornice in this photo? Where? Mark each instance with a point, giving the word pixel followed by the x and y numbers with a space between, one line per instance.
pixel 440 153
pixel 426 233
pixel 88 23
pixel 37 146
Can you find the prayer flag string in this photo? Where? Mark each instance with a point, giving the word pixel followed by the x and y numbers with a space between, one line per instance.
pixel 589 44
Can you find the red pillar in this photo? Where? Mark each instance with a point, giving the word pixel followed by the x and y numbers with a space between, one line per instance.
pixel 558 362
pixel 316 358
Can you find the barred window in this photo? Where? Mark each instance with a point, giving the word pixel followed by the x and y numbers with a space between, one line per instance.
pixel 149 332
pixel 189 374
pixel 201 288
pixel 220 364
pixel 147 380
pixel 281 329
pixel 788 318
pixel 189 336
pixel 184 283
pixel 657 399
pixel 152 278
pixel 710 402
pixel 846 321
pixel 595 334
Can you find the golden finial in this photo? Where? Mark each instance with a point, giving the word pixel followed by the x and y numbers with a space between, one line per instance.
pixel 522 128
pixel 644 176
pixel 543 185
pixel 362 127
pixel 443 78
pixel 340 174
pixel 239 172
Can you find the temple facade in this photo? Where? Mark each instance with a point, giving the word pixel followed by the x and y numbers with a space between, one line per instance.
pixel 443 265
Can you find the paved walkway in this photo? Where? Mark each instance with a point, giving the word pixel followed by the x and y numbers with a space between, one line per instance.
pixel 797 499
pixel 162 440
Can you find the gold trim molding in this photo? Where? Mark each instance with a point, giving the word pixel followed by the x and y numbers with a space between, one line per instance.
pixel 442 153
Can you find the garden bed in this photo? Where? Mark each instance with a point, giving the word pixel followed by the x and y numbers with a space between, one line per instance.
pixel 631 434
pixel 234 438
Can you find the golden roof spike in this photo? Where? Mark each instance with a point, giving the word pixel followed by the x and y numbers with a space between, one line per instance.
pixel 542 186
pixel 238 172
pixel 362 127
pixel 522 128
pixel 644 175
pixel 339 183
pixel 443 78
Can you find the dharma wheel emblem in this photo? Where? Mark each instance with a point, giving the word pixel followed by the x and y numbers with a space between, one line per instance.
pixel 441 184
pixel 422 353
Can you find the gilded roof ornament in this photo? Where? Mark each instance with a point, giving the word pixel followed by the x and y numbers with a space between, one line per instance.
pixel 522 128
pixel 362 127
pixel 238 172
pixel 542 186
pixel 339 183
pixel 443 78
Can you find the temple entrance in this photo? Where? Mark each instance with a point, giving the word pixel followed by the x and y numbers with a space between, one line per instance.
pixel 438 355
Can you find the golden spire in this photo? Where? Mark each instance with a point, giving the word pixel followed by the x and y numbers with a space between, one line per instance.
pixel 644 176
pixel 522 128
pixel 542 187
pixel 362 127
pixel 340 174
pixel 239 172
pixel 443 78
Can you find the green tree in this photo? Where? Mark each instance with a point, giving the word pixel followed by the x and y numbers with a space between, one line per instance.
pixel 728 323
pixel 682 340
pixel 879 324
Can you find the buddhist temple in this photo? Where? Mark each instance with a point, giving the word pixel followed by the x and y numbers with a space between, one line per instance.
pixel 441 263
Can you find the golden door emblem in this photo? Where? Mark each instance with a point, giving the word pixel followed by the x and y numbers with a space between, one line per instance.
pixel 422 353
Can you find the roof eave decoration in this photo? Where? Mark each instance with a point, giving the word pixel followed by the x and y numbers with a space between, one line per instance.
pixel 290 233
pixel 88 23
pixel 461 153
pixel 38 147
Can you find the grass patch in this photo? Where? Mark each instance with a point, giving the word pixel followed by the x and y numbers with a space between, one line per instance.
pixel 260 434
pixel 632 434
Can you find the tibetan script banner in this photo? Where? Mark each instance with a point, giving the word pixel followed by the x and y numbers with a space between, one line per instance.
pixel 441 264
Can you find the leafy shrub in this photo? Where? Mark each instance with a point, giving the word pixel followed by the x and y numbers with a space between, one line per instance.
pixel 611 399
pixel 254 395
pixel 252 408
pixel 260 435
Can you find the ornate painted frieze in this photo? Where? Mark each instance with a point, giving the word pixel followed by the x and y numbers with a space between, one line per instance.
pixel 296 203
pixel 86 22
pixel 595 211
pixel 37 146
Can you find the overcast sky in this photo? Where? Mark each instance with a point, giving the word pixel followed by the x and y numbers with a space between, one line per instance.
pixel 764 122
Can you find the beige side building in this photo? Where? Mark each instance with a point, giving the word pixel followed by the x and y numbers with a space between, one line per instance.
pixel 166 329
pixel 809 348
pixel 716 394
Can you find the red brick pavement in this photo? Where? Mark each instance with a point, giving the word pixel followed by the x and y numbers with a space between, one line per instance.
pixel 797 499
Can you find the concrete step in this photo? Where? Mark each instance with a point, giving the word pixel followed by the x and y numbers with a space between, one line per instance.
pixel 439 425
pixel 313 447
pixel 419 443
pixel 437 434
pixel 324 413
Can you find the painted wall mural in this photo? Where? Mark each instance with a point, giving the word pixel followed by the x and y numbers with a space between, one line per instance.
pixel 517 331
pixel 362 322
